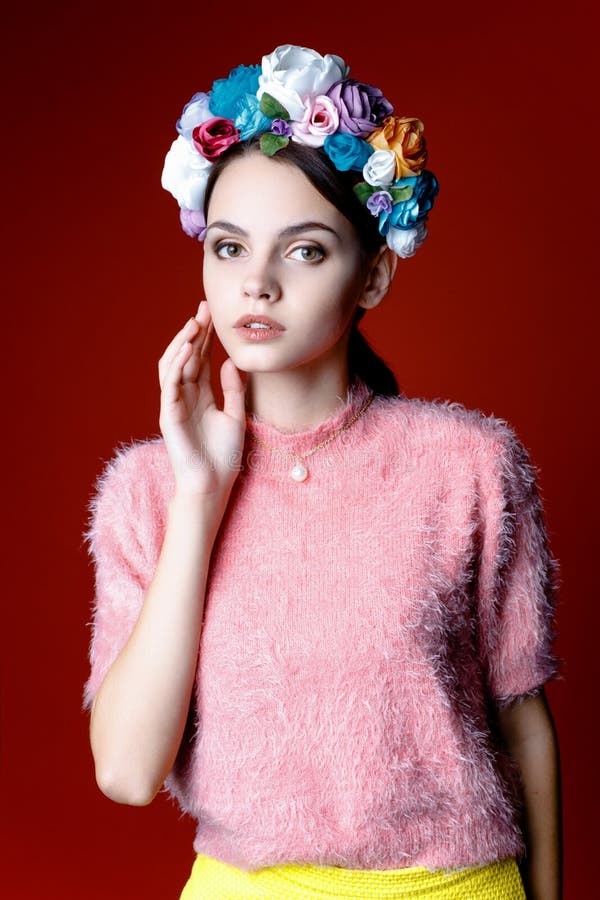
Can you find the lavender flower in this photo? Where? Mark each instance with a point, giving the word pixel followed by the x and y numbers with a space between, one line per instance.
pixel 380 201
pixel 362 108
pixel 193 223
pixel 281 127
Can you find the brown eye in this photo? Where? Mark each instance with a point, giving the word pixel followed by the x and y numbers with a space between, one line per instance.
pixel 310 253
pixel 232 251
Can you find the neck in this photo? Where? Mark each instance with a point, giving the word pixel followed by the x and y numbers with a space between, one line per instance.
pixel 296 400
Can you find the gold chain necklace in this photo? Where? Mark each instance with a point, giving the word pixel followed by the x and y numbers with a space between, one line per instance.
pixel 299 472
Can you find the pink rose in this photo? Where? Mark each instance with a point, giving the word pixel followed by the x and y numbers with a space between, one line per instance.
pixel 320 119
pixel 212 137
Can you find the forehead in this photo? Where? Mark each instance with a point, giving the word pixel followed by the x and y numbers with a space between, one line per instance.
pixel 256 189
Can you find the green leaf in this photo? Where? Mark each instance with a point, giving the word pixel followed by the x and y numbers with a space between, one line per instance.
pixel 270 143
pixel 272 108
pixel 363 191
pixel 403 193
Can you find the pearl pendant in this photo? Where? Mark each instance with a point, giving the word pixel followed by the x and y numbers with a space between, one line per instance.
pixel 299 472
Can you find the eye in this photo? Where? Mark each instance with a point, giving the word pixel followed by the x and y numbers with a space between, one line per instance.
pixel 309 253
pixel 231 250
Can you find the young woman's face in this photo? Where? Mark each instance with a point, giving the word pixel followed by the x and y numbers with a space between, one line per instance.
pixel 277 248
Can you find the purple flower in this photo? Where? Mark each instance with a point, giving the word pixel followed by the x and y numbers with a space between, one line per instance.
pixel 362 108
pixel 281 127
pixel 193 223
pixel 194 112
pixel 380 201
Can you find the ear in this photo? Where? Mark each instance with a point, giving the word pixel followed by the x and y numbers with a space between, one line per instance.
pixel 379 278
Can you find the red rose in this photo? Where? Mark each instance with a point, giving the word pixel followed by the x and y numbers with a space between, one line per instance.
pixel 212 137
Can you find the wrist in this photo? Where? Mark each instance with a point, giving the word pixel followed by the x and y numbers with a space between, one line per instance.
pixel 207 508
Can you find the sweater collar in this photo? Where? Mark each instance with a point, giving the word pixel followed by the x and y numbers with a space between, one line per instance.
pixel 302 441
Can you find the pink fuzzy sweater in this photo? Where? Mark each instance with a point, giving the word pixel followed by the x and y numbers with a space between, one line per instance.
pixel 360 629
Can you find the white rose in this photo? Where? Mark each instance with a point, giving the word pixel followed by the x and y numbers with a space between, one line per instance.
pixel 380 168
pixel 291 73
pixel 185 173
pixel 406 241
pixel 194 112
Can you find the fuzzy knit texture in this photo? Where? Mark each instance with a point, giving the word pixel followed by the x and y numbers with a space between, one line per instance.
pixel 360 630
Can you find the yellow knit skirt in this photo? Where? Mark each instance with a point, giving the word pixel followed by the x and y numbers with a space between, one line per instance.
pixel 214 880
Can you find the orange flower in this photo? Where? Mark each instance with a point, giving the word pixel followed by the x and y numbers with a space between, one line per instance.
pixel 404 136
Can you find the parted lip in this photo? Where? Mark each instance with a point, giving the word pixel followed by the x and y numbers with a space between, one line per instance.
pixel 263 320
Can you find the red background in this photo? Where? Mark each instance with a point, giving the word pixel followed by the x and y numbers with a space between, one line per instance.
pixel 494 311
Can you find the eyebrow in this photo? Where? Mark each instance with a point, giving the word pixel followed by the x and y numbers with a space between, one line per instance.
pixel 290 231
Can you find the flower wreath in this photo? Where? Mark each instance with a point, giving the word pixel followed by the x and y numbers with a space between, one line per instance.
pixel 299 95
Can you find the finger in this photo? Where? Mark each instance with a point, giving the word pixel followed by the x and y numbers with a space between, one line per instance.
pixel 189 328
pixel 203 314
pixel 205 358
pixel 204 317
pixel 234 391
pixel 172 377
pixel 188 331
pixel 196 361
pixel 198 364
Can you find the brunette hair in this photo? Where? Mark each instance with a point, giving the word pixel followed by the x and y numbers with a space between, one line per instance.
pixel 337 187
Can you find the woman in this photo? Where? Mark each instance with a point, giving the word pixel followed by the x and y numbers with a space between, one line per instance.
pixel 323 614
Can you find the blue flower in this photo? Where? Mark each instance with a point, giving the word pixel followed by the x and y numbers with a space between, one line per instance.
pixel 249 120
pixel 409 213
pixel 227 92
pixel 347 151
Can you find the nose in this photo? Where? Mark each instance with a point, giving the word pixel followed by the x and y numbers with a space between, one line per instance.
pixel 260 281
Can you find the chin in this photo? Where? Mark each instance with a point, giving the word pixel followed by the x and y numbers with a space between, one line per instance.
pixel 250 368
pixel 253 355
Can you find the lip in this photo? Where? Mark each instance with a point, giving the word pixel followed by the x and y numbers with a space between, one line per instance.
pixel 263 320
pixel 256 335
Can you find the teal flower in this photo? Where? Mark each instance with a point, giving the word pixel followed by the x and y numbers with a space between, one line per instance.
pixel 409 213
pixel 249 119
pixel 347 151
pixel 226 93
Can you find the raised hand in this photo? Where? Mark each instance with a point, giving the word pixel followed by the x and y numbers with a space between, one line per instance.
pixel 204 443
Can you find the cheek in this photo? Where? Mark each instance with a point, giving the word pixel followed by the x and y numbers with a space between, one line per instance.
pixel 340 289
pixel 214 296
pixel 207 272
pixel 215 285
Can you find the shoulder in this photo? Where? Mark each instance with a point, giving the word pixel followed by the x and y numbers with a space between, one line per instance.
pixel 441 430
pixel 136 479
pixel 447 422
pixel 134 462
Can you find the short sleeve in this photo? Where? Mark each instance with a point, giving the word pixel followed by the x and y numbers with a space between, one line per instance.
pixel 123 537
pixel 518 576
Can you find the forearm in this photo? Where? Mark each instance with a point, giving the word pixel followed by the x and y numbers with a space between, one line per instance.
pixel 537 756
pixel 140 711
